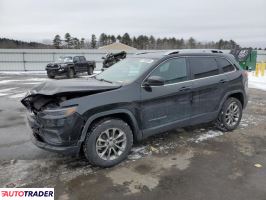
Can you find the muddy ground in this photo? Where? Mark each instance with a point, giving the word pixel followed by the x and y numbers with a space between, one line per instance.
pixel 193 163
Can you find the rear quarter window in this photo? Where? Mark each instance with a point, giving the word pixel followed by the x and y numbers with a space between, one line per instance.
pixel 203 67
pixel 225 65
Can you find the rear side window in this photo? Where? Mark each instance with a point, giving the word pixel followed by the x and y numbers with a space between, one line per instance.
pixel 225 65
pixel 172 71
pixel 82 59
pixel 203 67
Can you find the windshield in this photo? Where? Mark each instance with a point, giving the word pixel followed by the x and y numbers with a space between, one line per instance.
pixel 65 59
pixel 126 71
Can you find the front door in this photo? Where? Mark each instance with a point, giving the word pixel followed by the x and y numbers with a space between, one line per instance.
pixel 169 104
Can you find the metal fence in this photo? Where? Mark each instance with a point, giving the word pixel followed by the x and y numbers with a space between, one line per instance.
pixel 37 59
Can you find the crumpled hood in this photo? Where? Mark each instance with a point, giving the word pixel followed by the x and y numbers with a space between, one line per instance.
pixel 53 87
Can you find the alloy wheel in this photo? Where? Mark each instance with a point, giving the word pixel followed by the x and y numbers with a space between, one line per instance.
pixel 232 114
pixel 111 144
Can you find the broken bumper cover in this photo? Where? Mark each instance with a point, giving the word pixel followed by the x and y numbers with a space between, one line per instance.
pixel 56 133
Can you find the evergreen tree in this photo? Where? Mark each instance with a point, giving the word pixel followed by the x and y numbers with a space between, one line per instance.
pixel 119 38
pixel 152 42
pixel 191 43
pixel 76 43
pixel 57 42
pixel 67 39
pixel 82 43
pixel 103 39
pixel 93 41
pixel 113 39
pixel 126 39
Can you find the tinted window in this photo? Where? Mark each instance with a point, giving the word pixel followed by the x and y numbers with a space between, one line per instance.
pixel 225 65
pixel 172 71
pixel 203 67
pixel 82 59
pixel 76 59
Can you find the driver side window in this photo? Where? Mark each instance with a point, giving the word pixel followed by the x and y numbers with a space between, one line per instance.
pixel 172 71
pixel 76 59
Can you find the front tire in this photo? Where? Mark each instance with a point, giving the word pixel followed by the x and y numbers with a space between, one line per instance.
pixel 50 75
pixel 108 142
pixel 70 73
pixel 230 115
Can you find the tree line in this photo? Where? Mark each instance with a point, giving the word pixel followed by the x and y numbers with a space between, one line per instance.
pixel 139 42
pixel 6 43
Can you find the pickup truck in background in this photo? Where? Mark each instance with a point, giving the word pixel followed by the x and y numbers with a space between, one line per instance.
pixel 70 66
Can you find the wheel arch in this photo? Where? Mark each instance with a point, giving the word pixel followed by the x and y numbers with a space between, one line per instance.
pixel 122 114
pixel 238 94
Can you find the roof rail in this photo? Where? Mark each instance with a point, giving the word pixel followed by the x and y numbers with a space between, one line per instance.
pixel 146 52
pixel 176 51
pixel 200 51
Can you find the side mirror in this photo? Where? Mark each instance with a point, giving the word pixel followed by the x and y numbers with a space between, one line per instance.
pixel 75 61
pixel 154 81
pixel 103 57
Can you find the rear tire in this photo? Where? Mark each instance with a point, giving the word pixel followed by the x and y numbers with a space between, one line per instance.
pixel 90 70
pixel 108 142
pixel 70 73
pixel 230 115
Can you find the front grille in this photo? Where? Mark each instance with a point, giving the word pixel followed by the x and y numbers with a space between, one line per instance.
pixel 53 66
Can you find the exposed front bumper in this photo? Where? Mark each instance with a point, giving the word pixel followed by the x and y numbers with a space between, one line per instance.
pixel 56 134
pixel 67 150
pixel 56 71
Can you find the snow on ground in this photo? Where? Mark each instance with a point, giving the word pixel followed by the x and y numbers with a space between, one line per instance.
pixel 256 82
pixel 208 135
pixel 32 72
pixel 4 92
pixel 22 72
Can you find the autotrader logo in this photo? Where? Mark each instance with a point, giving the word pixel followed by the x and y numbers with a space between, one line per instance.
pixel 27 193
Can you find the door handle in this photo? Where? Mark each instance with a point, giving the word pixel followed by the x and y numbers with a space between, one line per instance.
pixel 222 81
pixel 185 88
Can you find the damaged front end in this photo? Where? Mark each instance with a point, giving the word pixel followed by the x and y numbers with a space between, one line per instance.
pixel 56 124
pixel 55 128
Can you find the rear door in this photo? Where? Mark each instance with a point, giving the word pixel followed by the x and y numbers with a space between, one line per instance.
pixel 83 64
pixel 208 85
pixel 164 105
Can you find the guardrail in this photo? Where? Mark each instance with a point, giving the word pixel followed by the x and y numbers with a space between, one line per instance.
pixel 37 59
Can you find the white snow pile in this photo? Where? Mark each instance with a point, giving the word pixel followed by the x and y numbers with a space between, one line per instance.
pixel 256 82
pixel 23 72
pixel 139 152
pixel 208 135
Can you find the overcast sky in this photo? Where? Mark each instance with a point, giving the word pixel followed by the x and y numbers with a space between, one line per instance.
pixel 34 20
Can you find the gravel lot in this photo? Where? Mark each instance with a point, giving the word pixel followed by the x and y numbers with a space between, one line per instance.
pixel 192 163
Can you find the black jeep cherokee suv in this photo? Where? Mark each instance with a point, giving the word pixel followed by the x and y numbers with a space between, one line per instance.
pixel 137 97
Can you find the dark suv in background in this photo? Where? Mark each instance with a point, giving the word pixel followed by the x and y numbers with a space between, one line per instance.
pixel 137 97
